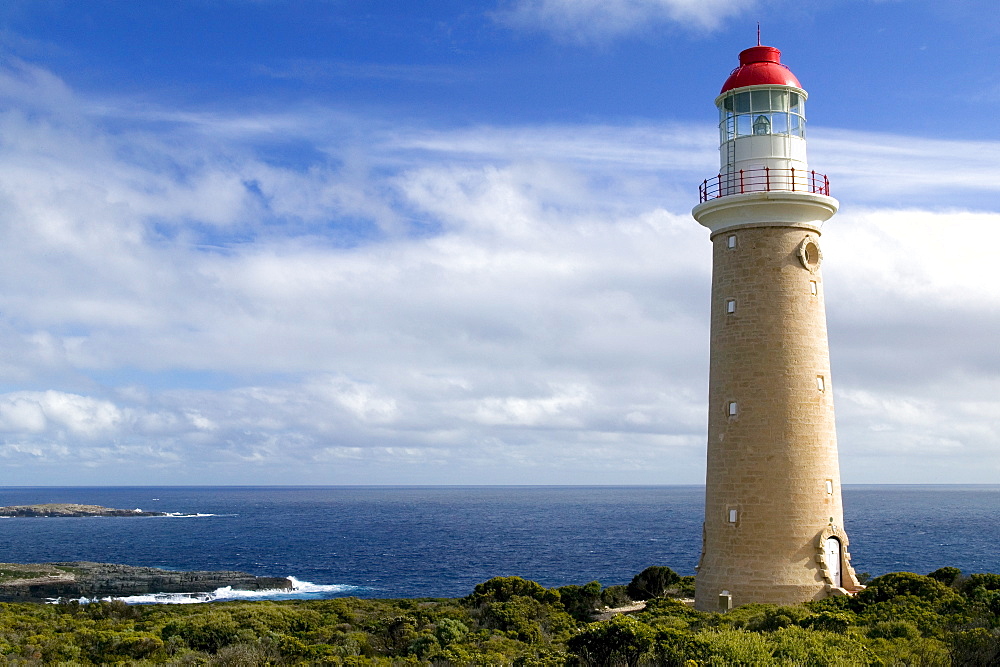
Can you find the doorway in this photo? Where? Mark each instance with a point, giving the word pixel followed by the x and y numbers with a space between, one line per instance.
pixel 833 560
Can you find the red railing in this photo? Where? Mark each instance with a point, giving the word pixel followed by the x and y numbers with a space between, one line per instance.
pixel 764 179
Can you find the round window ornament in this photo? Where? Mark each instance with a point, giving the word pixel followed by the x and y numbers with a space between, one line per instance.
pixel 809 253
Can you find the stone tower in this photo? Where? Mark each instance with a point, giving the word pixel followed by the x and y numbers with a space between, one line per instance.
pixel 773 515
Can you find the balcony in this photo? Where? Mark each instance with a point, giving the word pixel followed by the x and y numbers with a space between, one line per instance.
pixel 765 179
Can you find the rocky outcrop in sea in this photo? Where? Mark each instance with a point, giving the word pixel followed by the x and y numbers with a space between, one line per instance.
pixel 69 510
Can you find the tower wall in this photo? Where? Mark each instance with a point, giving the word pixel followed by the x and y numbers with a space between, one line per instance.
pixel 772 449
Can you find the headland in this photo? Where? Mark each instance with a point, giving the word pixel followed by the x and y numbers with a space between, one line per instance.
pixel 40 582
pixel 69 510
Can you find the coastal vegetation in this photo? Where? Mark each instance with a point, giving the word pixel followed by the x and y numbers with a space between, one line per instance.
pixel 944 618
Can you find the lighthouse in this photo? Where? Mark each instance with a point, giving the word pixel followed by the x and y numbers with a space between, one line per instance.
pixel 773 528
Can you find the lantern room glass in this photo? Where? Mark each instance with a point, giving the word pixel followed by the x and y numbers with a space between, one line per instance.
pixel 761 111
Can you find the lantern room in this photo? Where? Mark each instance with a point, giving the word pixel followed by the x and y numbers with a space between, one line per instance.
pixel 762 130
pixel 761 111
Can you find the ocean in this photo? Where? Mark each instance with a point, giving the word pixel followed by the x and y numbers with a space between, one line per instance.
pixel 390 542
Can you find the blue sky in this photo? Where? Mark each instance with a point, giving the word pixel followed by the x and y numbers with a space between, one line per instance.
pixel 332 242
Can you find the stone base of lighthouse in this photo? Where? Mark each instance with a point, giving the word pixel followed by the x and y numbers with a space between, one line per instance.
pixel 769 571
pixel 773 514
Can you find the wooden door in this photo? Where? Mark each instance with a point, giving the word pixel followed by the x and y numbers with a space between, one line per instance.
pixel 833 559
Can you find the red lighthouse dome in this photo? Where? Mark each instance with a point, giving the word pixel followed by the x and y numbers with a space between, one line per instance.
pixel 760 66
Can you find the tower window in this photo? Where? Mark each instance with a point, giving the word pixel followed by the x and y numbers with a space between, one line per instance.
pixel 829 490
pixel 813 288
pixel 731 241
pixel 733 515
pixel 809 254
pixel 820 383
pixel 733 409
pixel 730 306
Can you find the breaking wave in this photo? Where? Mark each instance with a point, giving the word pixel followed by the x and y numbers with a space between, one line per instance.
pixel 300 590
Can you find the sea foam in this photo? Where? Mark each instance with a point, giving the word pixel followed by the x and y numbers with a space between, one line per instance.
pixel 300 590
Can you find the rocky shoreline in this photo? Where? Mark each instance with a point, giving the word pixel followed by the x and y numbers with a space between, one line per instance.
pixel 69 510
pixel 41 582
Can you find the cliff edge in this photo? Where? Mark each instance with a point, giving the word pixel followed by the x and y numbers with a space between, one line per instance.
pixel 39 582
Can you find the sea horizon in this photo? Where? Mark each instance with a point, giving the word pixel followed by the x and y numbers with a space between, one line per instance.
pixel 392 541
pixel 431 486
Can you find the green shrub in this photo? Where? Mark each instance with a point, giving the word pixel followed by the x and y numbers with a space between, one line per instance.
pixel 759 617
pixel 730 647
pixel 653 582
pixel 392 634
pixel 666 608
pixel 502 589
pixel 673 647
pixel 207 632
pixel 615 596
pixel 829 621
pixel 795 645
pixel 424 646
pixel 528 620
pixel 946 575
pixel 450 631
pixel 894 630
pixel 581 601
pixel 971 648
pixel 925 617
pixel 250 653
pixel 987 581
pixel 776 617
pixel 922 651
pixel 621 641
pixel 685 587
pixel 897 584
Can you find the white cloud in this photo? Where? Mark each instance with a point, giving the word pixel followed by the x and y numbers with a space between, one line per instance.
pixel 64 416
pixel 600 19
pixel 523 304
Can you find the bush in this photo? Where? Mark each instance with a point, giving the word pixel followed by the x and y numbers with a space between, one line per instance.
pixel 675 648
pixel 581 601
pixel 794 645
pixel 894 630
pixel 653 582
pixel 946 575
pixel 730 647
pixel 502 589
pixel 247 654
pixel 974 647
pixel 897 584
pixel 829 621
pixel 621 641
pixel 527 619
pixel 685 587
pixel 615 596
pixel 977 583
pixel 672 613
pixel 921 651
pixel 204 632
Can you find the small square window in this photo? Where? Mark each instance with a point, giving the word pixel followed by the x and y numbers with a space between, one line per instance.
pixel 733 408
pixel 820 383
pixel 733 515
pixel 730 306
pixel 731 241
pixel 813 288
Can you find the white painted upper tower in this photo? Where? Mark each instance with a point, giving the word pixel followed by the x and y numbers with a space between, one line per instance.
pixel 773 514
pixel 762 132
